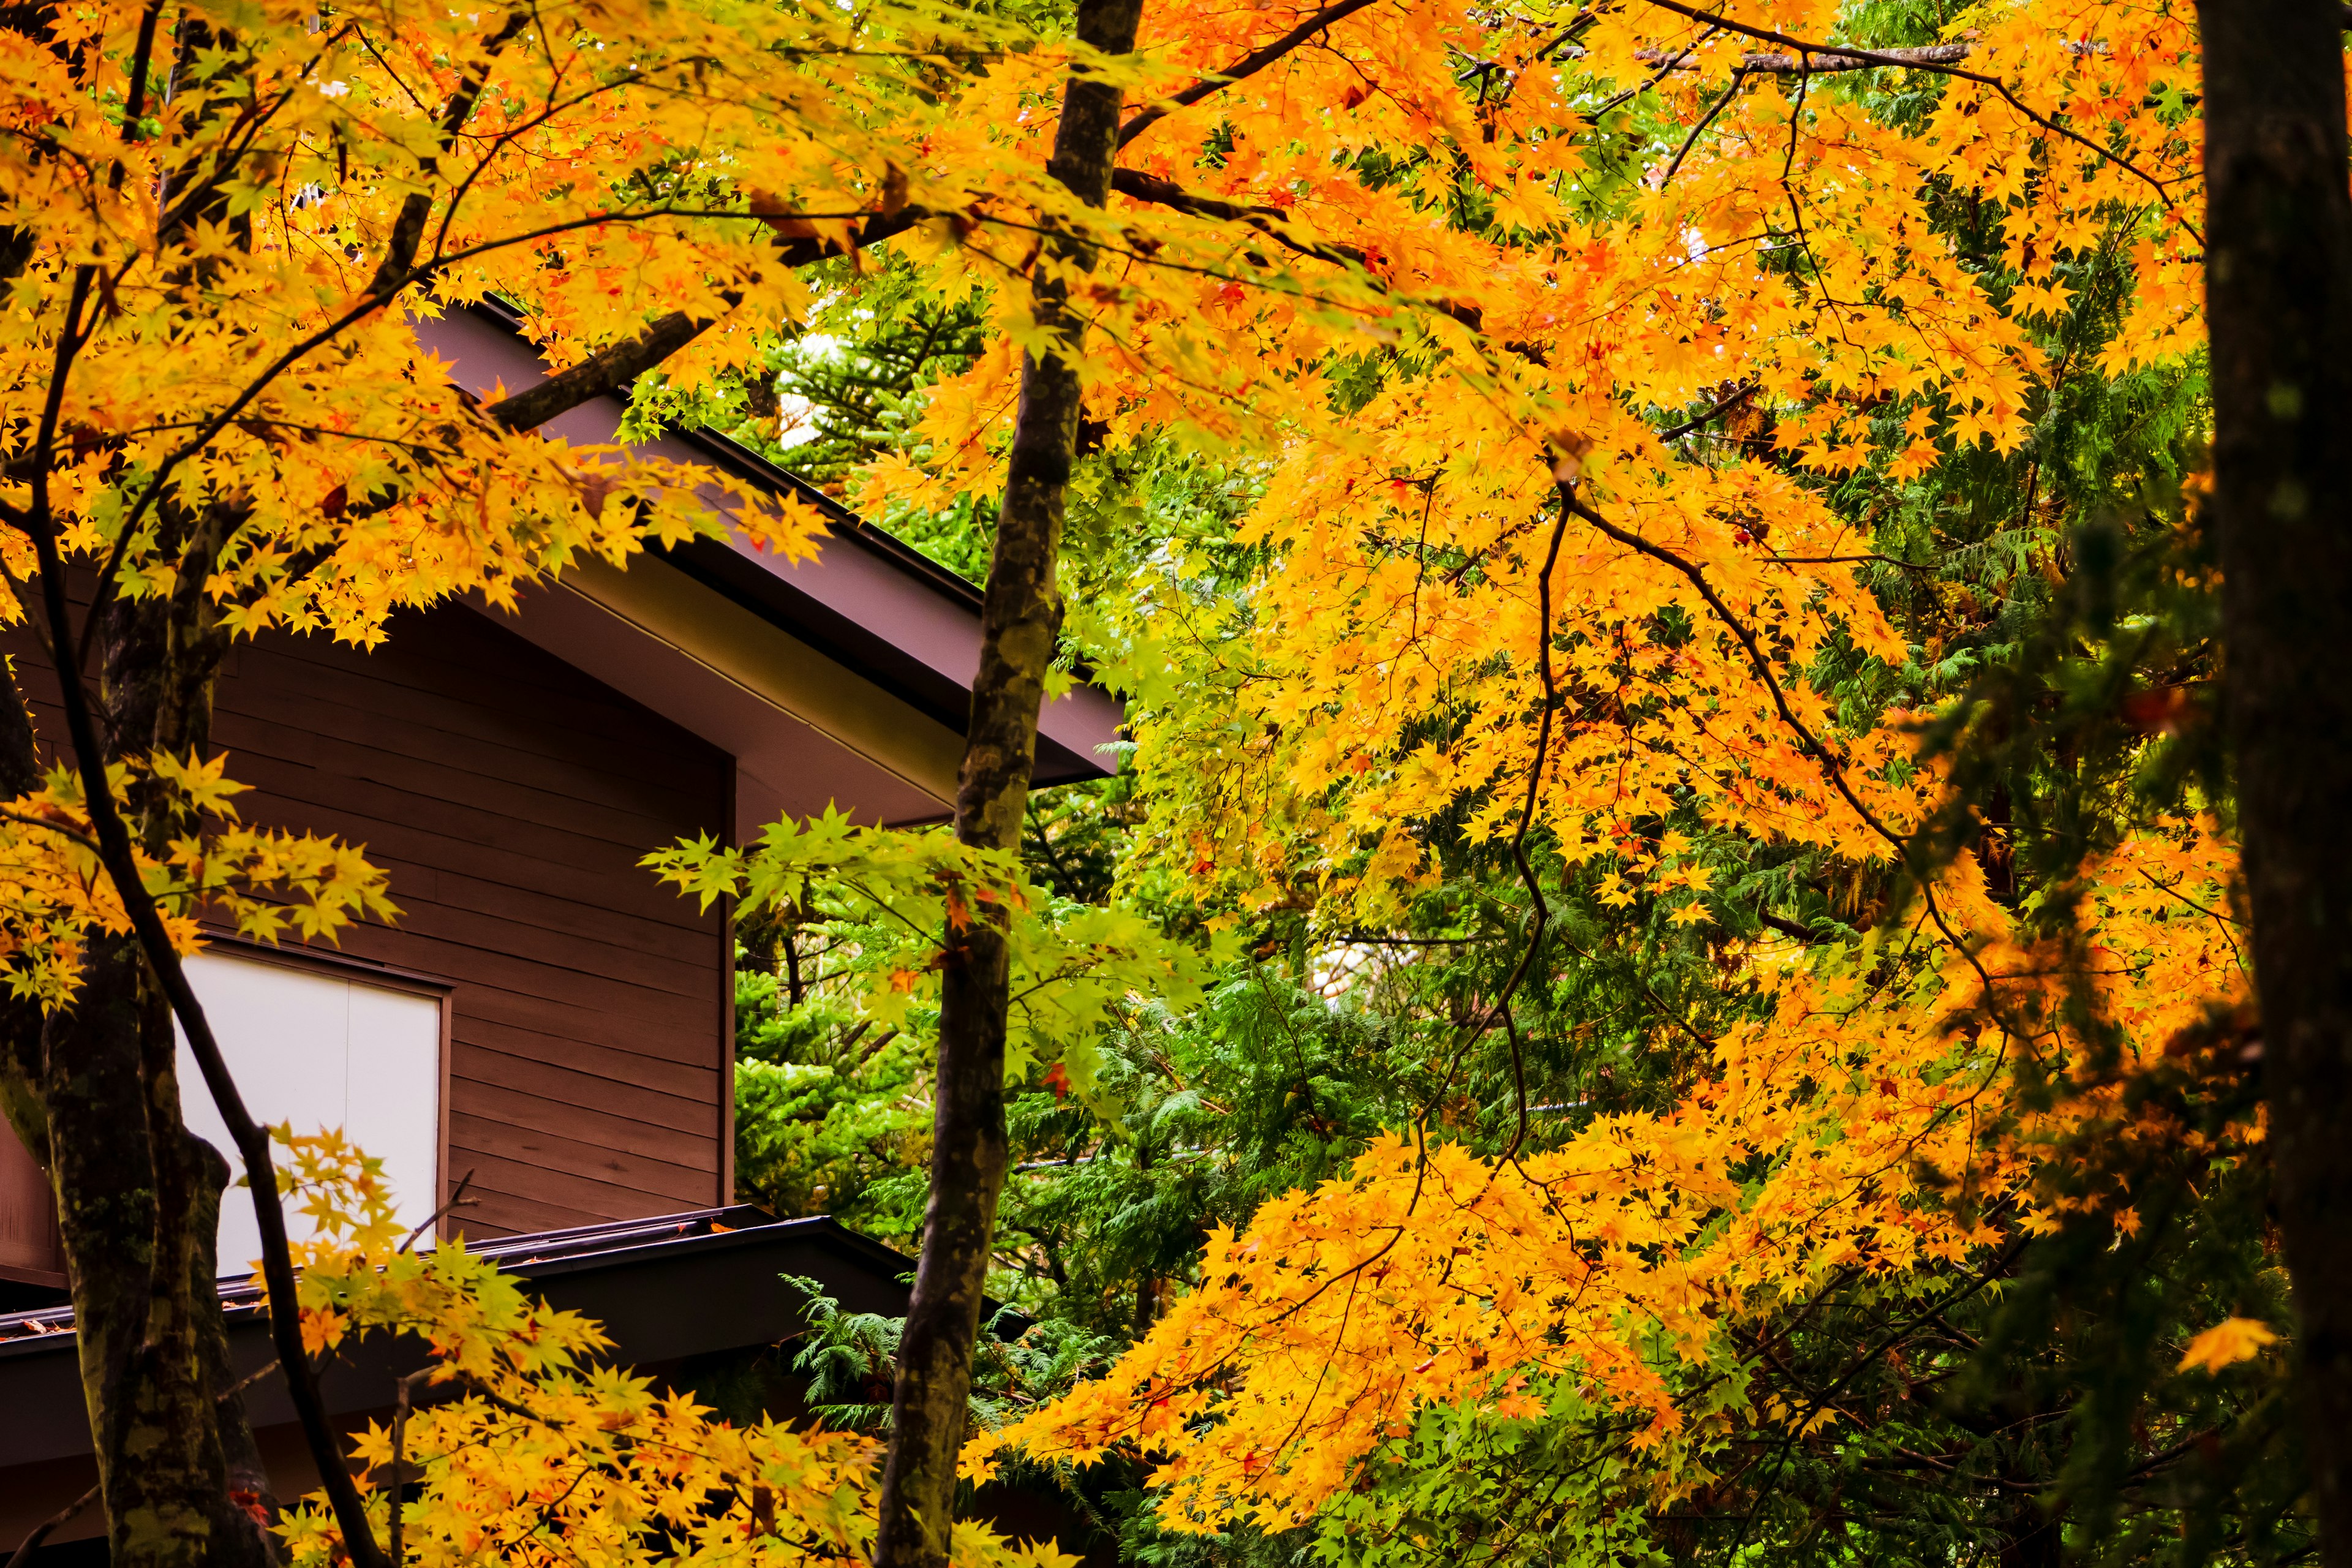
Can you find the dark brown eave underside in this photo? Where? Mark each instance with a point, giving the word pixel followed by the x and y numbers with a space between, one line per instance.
pixel 664 1288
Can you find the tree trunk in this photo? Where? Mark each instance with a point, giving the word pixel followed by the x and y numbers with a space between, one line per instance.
pixel 96 1088
pixel 131 1185
pixel 1021 617
pixel 2279 293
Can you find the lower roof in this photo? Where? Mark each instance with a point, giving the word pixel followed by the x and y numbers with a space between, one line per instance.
pixel 664 1288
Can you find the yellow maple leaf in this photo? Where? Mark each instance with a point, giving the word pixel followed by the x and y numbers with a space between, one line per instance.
pixel 2231 1340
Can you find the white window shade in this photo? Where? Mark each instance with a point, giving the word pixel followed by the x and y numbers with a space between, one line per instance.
pixel 319 1049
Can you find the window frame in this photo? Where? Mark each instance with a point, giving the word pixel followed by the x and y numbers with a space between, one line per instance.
pixel 304 959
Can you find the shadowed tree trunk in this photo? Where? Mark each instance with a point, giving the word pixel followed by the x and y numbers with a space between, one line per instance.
pixel 2279 292
pixel 96 1090
pixel 1020 619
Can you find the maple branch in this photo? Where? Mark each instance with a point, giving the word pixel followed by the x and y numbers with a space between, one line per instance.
pixel 134 102
pixel 70 341
pixel 1527 819
pixel 1722 405
pixel 612 369
pixel 1923 56
pixel 608 370
pixel 408 227
pixel 1960 1293
pixel 1788 927
pixel 1674 164
pixel 1136 185
pixel 1139 187
pixel 1249 65
pixel 361 307
pixel 457 1199
pixel 1501 1009
pixel 1831 767
pixel 1918 60
pixel 405 1397
pixel 24 819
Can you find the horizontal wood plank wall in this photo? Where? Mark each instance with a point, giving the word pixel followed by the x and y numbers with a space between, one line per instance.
pixel 509 797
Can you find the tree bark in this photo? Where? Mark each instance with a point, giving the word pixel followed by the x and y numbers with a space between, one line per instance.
pixel 1021 617
pixel 94 1090
pixel 2279 303
pixel 138 1196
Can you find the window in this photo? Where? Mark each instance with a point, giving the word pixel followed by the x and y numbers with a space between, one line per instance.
pixel 320 1046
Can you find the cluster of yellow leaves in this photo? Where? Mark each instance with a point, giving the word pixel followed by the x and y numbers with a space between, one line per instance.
pixel 524 1450
pixel 1865 1127
pixel 234 214
pixel 227 219
pixel 54 893
pixel 1410 533
pixel 1789 265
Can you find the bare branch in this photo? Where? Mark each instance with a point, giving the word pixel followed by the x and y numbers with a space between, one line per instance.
pixel 1813 65
pixel 611 371
pixel 40 1532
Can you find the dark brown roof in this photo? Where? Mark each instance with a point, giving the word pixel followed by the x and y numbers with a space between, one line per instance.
pixel 902 631
pixel 665 1288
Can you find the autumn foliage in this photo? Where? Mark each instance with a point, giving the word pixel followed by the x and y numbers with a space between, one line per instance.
pixel 1573 357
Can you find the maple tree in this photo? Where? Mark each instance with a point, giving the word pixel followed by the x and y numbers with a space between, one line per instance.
pixel 1792 259
pixel 219 421
pixel 1578 366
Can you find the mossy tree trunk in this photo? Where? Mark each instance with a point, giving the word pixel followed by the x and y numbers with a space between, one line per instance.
pixel 95 1091
pixel 1021 618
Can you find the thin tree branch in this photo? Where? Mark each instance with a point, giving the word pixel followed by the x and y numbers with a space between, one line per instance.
pixel 1249 65
pixel 393 269
pixel 1831 767
pixel 40 1532
pixel 1788 927
pixel 1526 820
pixel 1136 185
pixel 404 1394
pixel 607 371
pixel 610 370
pixel 1674 166
pixel 1722 405
pixel 457 1197
pixel 1925 55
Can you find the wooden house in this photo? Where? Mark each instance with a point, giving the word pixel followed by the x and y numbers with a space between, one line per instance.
pixel 545 1020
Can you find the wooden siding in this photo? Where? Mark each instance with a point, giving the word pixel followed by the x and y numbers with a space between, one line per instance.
pixel 509 797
